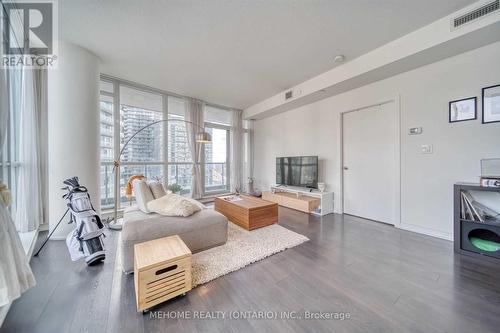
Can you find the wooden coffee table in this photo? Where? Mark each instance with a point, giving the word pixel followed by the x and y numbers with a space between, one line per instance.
pixel 248 212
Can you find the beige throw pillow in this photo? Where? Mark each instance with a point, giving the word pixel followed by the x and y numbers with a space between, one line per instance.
pixel 175 205
pixel 157 189
pixel 142 194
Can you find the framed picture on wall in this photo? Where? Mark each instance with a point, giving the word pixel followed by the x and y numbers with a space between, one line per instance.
pixel 463 109
pixel 491 104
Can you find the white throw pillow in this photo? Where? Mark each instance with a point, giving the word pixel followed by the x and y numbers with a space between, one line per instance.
pixel 157 189
pixel 142 194
pixel 175 205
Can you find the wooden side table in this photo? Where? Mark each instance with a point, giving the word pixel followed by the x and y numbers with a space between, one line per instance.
pixel 162 270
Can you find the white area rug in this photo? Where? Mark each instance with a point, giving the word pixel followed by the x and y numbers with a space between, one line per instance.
pixel 242 248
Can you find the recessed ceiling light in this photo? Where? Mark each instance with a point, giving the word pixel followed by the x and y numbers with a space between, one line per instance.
pixel 338 59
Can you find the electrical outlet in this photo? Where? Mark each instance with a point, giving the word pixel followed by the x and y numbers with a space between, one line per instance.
pixel 426 149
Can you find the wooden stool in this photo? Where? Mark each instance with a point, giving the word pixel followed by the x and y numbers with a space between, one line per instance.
pixel 162 270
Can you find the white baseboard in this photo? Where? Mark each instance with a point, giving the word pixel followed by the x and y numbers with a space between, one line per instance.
pixel 426 231
pixel 32 246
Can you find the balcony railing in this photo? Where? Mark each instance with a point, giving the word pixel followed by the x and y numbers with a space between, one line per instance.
pixel 181 174
pixel 178 173
pixel 107 181
pixel 215 177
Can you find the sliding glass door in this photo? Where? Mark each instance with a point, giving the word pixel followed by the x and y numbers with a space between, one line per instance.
pixel 216 160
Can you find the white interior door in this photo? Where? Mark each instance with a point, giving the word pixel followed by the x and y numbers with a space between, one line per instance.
pixel 369 158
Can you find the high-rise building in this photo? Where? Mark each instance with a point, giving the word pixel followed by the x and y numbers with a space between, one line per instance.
pixel 209 170
pixel 146 146
pixel 107 152
pixel 179 151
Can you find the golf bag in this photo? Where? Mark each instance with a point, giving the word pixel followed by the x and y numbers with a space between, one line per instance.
pixel 86 240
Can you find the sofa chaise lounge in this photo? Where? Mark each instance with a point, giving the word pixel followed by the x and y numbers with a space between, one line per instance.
pixel 200 231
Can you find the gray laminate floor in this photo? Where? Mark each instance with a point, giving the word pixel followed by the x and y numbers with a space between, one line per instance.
pixel 384 279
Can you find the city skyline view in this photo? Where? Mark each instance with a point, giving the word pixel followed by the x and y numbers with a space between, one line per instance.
pixel 146 153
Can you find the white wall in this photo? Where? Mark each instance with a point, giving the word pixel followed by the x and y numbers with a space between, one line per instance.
pixel 424 93
pixel 73 118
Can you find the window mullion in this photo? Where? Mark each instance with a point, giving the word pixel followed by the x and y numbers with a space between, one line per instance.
pixel 228 159
pixel 165 140
pixel 202 167
pixel 116 137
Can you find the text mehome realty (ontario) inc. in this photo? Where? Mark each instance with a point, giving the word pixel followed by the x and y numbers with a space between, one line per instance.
pixel 252 315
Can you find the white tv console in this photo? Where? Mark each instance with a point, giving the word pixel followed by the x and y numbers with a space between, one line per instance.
pixel 307 200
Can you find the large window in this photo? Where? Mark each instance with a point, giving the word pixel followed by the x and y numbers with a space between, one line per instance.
pixel 145 152
pixel 160 151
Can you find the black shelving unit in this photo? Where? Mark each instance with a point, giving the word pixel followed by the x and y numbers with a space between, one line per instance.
pixel 463 228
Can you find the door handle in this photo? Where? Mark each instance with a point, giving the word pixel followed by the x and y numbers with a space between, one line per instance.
pixel 346 168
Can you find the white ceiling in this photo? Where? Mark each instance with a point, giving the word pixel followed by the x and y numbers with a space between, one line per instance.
pixel 237 53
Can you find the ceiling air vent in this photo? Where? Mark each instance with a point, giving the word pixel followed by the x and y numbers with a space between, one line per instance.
pixel 473 15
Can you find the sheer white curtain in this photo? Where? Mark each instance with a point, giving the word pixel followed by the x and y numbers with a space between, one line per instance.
pixel 15 272
pixel 42 120
pixel 29 205
pixel 194 114
pixel 4 106
pixel 236 151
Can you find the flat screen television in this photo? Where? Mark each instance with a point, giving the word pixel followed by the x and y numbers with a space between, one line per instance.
pixel 297 171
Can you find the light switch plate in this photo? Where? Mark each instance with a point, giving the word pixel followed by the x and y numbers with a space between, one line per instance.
pixel 426 149
pixel 415 131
